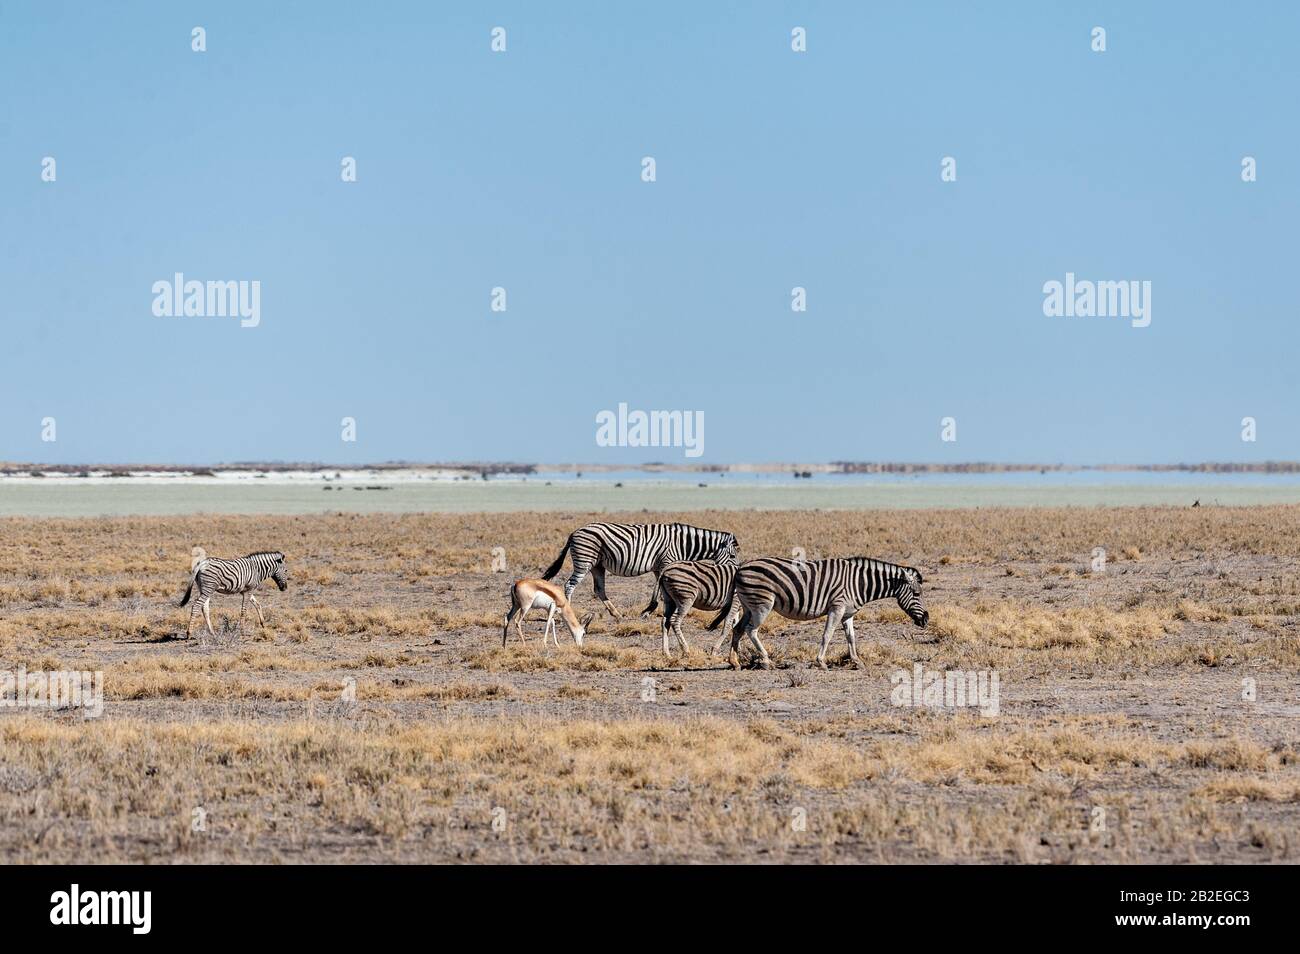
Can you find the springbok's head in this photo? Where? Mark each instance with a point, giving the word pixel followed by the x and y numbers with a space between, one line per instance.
pixel 279 573
pixel 580 630
pixel 907 590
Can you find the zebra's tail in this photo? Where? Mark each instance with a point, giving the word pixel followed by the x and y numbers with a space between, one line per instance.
pixel 726 610
pixel 654 600
pixel 555 567
pixel 194 575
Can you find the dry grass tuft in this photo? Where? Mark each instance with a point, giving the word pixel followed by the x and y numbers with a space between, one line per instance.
pixel 1018 626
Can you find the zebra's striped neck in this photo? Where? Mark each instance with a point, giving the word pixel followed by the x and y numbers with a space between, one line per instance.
pixel 264 561
pixel 876 578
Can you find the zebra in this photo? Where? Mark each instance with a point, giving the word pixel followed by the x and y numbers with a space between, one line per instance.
pixel 628 549
pixel 805 590
pixel 232 576
pixel 700 584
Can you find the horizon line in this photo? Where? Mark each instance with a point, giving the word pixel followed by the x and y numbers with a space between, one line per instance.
pixel 9 468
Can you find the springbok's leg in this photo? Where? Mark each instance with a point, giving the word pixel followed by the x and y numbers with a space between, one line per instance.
pixel 550 628
pixel 853 642
pixel 832 623
pixel 519 624
pixel 598 582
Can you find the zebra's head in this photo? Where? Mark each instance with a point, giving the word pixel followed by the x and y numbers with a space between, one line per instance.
pixel 728 552
pixel 907 590
pixel 278 572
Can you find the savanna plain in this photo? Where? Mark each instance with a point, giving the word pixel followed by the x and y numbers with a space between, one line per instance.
pixel 1148 709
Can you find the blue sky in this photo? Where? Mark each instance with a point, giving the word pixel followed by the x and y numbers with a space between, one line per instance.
pixel 522 169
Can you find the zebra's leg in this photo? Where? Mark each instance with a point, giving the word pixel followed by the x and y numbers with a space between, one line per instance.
pixel 766 660
pixel 749 627
pixel 737 619
pixel 654 599
pixel 243 608
pixel 853 642
pixel 207 616
pixel 666 622
pixel 581 567
pixel 832 623
pixel 598 582
pixel 194 608
pixel 257 606
pixel 678 614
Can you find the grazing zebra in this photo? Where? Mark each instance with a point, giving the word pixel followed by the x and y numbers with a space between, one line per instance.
pixel 685 586
pixel 627 549
pixel 804 590
pixel 232 576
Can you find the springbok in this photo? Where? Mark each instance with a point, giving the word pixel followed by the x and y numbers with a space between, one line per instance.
pixel 526 594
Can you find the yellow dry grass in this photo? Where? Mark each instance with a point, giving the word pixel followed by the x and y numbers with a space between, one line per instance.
pixel 379 717
pixel 1016 625
pixel 701 787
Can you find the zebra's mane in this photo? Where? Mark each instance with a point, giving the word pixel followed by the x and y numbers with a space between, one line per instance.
pixel 894 569
pixel 264 553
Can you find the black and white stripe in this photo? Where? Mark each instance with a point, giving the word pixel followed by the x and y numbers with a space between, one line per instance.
pixel 241 576
pixel 701 584
pixel 627 549
pixel 805 590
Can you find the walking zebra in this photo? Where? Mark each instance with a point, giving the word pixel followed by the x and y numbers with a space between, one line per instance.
pixel 700 584
pixel 232 576
pixel 804 590
pixel 626 549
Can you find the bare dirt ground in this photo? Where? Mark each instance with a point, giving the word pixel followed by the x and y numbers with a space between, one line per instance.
pixel 1147 712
